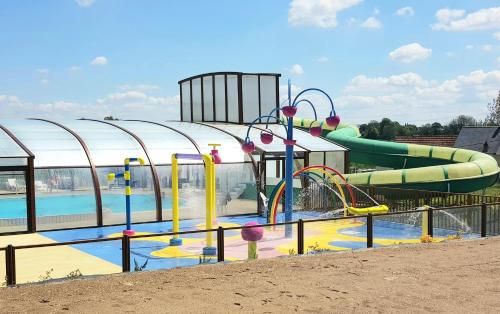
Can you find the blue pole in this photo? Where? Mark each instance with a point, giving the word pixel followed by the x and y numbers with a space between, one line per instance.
pixel 289 172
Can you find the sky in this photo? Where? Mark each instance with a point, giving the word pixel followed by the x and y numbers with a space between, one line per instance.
pixel 412 61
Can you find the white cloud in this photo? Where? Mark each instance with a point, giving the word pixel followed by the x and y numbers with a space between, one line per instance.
pixel 456 20
pixel 133 100
pixel 44 82
pixel 498 61
pixel 376 11
pixel 297 69
pixel 74 68
pixel 497 35
pixel 322 59
pixel 99 61
pixel 127 105
pixel 352 21
pixel 57 106
pixel 85 3
pixel 371 22
pixel 469 47
pixel 139 87
pixel 487 48
pixel 42 71
pixel 410 53
pixel 408 97
pixel 319 13
pixel 405 11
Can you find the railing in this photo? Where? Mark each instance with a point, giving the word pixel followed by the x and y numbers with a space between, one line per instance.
pixel 319 197
pixel 485 217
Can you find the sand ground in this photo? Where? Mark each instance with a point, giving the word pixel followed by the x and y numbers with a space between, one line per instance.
pixel 455 277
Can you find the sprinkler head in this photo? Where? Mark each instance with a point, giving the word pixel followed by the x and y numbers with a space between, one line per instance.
pixel 215 153
pixel 315 131
pixel 216 156
pixel 248 147
pixel 266 138
pixel 333 121
pixel 289 111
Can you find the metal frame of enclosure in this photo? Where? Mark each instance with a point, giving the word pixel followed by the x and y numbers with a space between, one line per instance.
pixel 231 97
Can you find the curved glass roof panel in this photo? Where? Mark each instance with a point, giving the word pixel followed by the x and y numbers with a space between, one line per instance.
pixel 240 131
pixel 52 146
pixel 108 145
pixel 230 149
pixel 9 148
pixel 161 142
pixel 304 139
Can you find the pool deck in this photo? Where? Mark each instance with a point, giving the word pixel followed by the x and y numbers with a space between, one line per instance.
pixel 31 264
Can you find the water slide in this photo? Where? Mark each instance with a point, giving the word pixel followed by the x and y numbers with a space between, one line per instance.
pixel 415 166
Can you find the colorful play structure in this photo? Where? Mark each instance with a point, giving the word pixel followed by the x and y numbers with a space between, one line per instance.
pixel 332 176
pixel 210 160
pixel 128 190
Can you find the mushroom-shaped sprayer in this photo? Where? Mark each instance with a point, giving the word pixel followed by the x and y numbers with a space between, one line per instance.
pixel 252 235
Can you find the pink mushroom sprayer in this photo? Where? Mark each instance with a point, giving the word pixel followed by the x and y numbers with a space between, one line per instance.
pixel 252 235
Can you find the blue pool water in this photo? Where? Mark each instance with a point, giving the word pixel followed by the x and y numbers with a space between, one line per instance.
pixel 77 204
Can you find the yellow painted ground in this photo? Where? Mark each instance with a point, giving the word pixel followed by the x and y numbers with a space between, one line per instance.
pixel 32 264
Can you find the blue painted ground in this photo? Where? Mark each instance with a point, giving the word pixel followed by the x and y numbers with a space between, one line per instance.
pixel 140 250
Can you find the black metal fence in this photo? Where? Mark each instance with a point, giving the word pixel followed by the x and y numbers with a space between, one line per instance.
pixel 482 220
pixel 318 197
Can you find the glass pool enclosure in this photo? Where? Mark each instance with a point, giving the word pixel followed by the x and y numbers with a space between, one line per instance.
pixel 53 174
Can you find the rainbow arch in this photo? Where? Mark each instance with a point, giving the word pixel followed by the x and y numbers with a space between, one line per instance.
pixel 310 171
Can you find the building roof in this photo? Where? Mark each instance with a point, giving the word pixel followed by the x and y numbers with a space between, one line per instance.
pixel 435 140
pixel 80 143
pixel 481 139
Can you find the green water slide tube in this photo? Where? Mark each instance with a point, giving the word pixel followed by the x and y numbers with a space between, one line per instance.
pixel 422 167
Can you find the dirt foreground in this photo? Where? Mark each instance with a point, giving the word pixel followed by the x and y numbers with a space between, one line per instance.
pixel 455 277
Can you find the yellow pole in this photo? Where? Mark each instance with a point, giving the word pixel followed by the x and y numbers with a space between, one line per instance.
pixel 175 241
pixel 209 191
pixel 214 191
pixel 425 223
pixel 175 195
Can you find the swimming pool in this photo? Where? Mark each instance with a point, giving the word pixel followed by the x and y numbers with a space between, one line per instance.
pixel 56 205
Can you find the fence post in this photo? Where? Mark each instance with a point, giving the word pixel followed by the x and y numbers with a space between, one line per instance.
pixel 369 231
pixel 220 244
pixel 300 237
pixel 125 253
pixel 430 225
pixel 10 265
pixel 483 220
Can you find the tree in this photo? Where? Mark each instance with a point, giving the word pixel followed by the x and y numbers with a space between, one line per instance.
pixel 459 122
pixel 372 132
pixel 493 117
pixel 111 118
